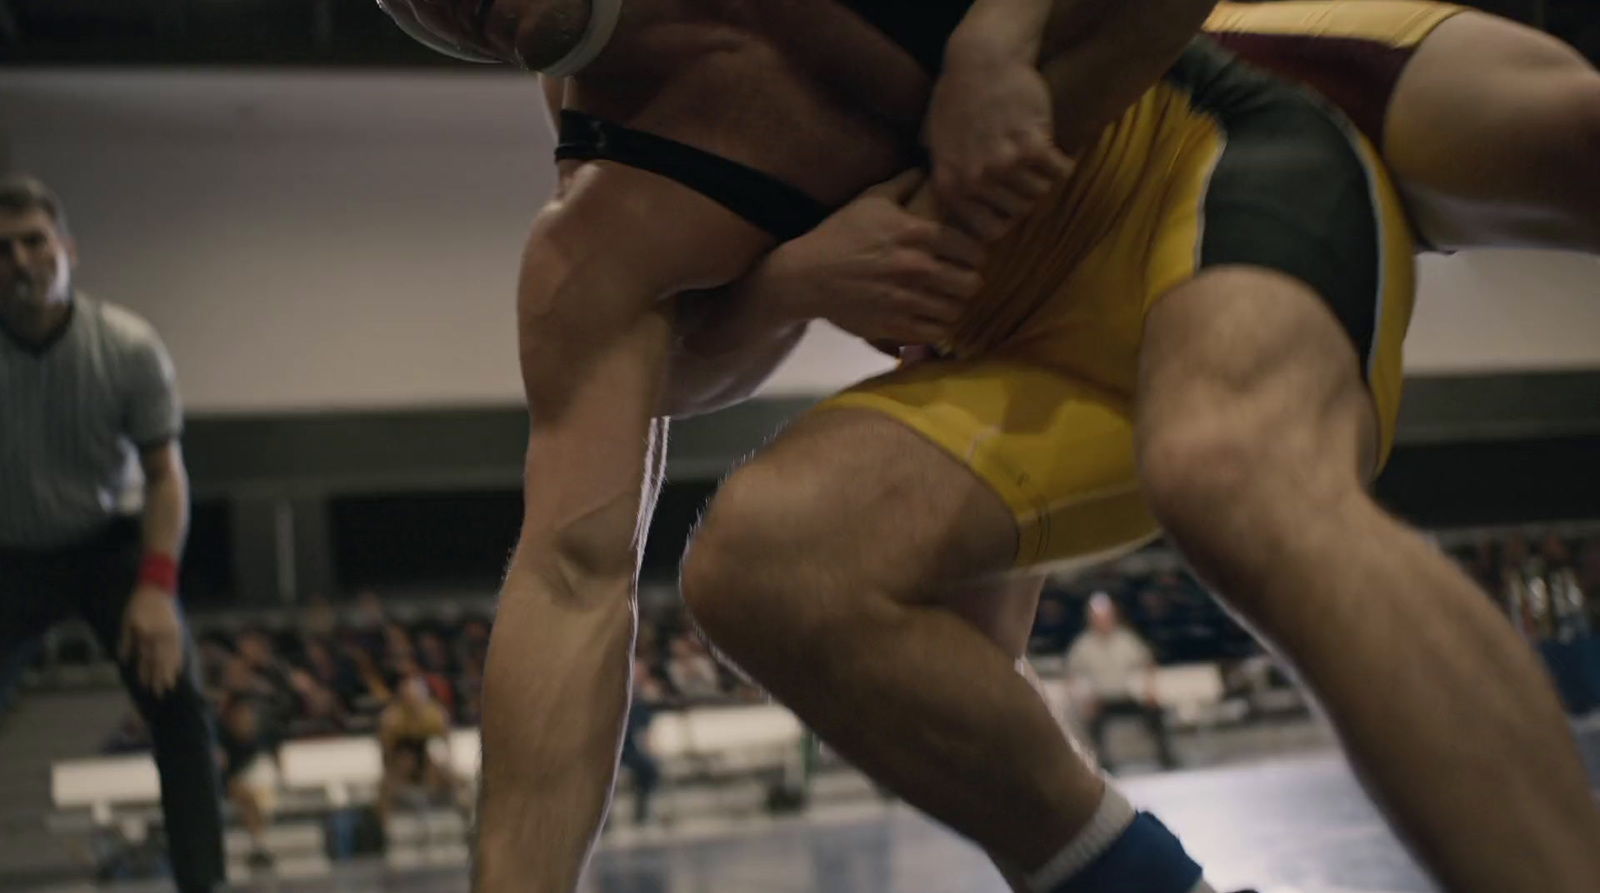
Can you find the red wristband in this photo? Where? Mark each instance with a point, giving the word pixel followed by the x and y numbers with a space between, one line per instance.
pixel 160 571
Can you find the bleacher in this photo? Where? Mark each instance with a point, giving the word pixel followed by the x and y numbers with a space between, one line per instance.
pixel 699 751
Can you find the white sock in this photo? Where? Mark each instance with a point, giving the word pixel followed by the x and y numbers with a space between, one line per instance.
pixel 1111 818
pixel 1110 821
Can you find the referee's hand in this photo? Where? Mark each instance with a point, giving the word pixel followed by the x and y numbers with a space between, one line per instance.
pixel 152 640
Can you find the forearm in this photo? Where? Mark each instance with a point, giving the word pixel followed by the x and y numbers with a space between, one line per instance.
pixel 1100 57
pixel 1014 29
pixel 166 513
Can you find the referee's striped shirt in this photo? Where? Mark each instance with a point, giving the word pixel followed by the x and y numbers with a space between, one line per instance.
pixel 74 414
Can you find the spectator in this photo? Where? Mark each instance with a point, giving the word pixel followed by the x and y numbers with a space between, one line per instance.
pixel 1051 628
pixel 469 691
pixel 270 677
pixel 335 673
pixel 411 730
pixel 1484 565
pixel 256 650
pixel 1117 670
pixel 647 650
pixel 318 621
pixel 1589 580
pixel 250 771
pixel 397 650
pixel 692 671
pixel 318 711
pixel 473 644
pixel 367 668
pixel 214 658
pixel 648 697
pixel 433 655
pixel 438 686
pixel 1570 615
pixel 1527 605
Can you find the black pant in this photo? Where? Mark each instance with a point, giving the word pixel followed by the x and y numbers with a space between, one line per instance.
pixel 94 580
pixel 640 764
pixel 1154 720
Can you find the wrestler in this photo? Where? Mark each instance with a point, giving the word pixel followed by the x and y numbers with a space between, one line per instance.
pixel 1283 313
pixel 1490 128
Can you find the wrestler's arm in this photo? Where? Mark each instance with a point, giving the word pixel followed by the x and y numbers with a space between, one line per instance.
pixel 1024 80
pixel 879 268
pixel 595 334
pixel 1099 55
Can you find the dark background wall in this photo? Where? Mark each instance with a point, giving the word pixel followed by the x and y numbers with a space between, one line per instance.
pixel 292 505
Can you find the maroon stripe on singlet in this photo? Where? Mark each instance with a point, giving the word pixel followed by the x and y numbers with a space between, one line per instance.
pixel 1358 76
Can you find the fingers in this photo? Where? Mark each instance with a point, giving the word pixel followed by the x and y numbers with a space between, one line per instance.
pixel 900 189
pixel 944 243
pixel 172 669
pixel 986 201
pixel 149 658
pixel 155 659
pixel 933 278
pixel 983 219
pixel 951 244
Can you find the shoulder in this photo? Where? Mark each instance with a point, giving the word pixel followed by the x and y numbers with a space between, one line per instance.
pixel 118 322
pixel 122 329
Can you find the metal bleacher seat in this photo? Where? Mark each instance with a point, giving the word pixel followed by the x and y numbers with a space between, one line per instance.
pixel 333 766
pixel 105 787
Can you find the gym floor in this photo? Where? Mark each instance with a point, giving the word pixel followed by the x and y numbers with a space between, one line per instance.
pixel 1295 825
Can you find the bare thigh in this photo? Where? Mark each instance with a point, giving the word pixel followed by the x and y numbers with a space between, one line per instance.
pixel 1494 130
pixel 853 495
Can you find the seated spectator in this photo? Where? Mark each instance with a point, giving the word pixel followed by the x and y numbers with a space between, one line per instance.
pixel 318 621
pixel 367 667
pixel 692 671
pixel 256 650
pixel 433 655
pixel 369 621
pixel 473 643
pixel 1484 565
pixel 214 657
pixel 439 688
pixel 411 730
pixel 1568 608
pixel 469 691
pixel 336 673
pixel 1589 580
pixel 649 696
pixel 240 681
pixel 249 757
pixel 1051 627
pixel 318 711
pixel 1117 671
pixel 398 650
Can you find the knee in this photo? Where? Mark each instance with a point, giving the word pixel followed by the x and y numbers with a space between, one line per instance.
pixel 1195 471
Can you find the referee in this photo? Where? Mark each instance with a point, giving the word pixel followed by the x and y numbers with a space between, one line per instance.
pixel 87 403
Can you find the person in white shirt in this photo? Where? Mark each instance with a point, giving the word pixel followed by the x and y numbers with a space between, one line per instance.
pixel 1116 669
